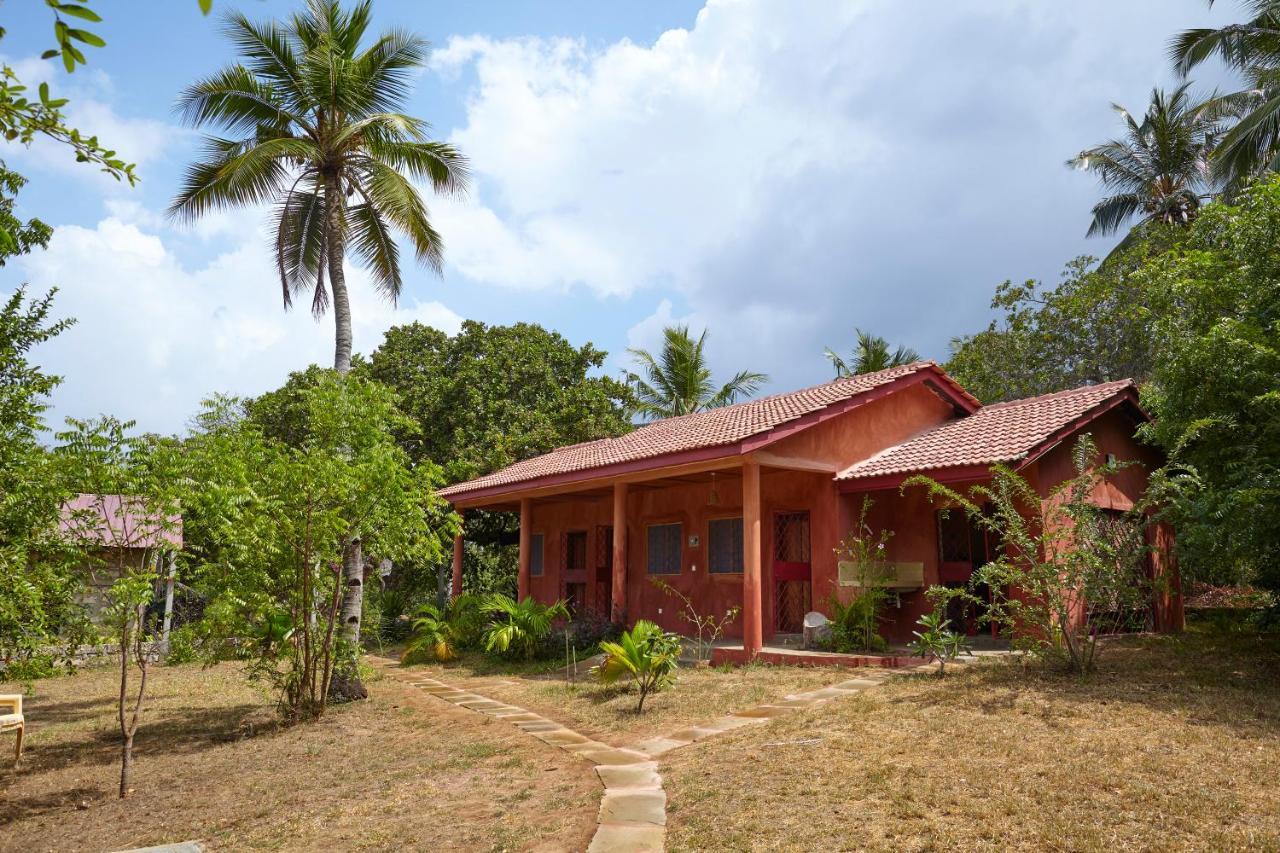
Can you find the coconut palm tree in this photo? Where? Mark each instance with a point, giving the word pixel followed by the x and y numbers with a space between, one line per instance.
pixel 312 127
pixel 871 354
pixel 678 382
pixel 1160 167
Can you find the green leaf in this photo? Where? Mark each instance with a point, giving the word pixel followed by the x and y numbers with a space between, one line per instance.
pixel 206 6
pixel 68 61
pixel 87 37
pixel 84 13
pixel 44 94
pixel 49 54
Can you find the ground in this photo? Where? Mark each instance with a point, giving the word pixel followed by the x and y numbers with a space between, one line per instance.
pixel 401 770
pixel 608 712
pixel 1173 745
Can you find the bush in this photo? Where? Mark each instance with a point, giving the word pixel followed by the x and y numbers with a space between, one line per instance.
pixel 433 637
pixel 584 632
pixel 28 669
pixel 646 654
pixel 182 645
pixel 853 625
pixel 519 629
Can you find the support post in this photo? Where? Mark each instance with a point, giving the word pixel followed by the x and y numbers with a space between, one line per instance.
pixel 618 585
pixel 171 562
pixel 752 629
pixel 457 563
pixel 526 545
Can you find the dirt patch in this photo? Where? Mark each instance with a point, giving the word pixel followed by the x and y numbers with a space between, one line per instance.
pixel 401 770
pixel 1173 745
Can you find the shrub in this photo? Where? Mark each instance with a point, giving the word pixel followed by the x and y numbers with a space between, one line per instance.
pixel 519 629
pixel 936 640
pixel 646 654
pixel 854 625
pixel 182 645
pixel 432 639
pixel 468 621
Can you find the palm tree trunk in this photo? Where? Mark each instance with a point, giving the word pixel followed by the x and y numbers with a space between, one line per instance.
pixel 346 685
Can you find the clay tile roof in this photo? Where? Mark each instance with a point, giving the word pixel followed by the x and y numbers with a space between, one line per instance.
pixel 712 428
pixel 1001 432
pixel 119 521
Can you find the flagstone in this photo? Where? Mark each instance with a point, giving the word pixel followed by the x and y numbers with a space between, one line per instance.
pixel 632 805
pixel 659 745
pixel 642 775
pixel 764 712
pixel 614 755
pixel 623 838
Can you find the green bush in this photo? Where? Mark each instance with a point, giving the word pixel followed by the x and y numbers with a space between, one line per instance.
pixel 433 637
pixel 854 625
pixel 182 645
pixel 519 629
pixel 28 669
pixel 646 654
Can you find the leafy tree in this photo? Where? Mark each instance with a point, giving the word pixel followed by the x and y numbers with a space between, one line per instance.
pixel 1067 571
pixel 1252 48
pixel 646 654
pixel 132 483
pixel 1096 325
pixel 678 381
pixel 274 522
pixel 1215 389
pixel 872 353
pixel 314 123
pixel 1160 167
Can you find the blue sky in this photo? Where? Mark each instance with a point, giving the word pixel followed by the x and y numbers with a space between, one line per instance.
pixel 777 172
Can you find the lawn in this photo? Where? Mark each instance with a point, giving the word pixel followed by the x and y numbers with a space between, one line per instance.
pixel 403 770
pixel 608 712
pixel 1174 744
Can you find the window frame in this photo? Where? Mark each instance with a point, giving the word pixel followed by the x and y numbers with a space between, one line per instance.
pixel 537 568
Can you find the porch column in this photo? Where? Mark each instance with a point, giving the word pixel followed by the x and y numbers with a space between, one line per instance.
pixel 526 545
pixel 457 563
pixel 752 631
pixel 618 585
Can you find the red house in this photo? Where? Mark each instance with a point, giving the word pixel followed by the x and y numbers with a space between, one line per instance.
pixel 746 505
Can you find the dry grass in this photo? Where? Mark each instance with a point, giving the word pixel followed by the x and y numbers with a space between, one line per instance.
pixel 400 771
pixel 1174 744
pixel 608 712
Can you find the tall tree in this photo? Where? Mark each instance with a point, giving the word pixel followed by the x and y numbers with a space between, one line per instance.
pixel 1252 48
pixel 1159 168
pixel 871 353
pixel 678 381
pixel 315 130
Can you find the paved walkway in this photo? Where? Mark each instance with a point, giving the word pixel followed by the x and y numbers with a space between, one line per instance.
pixel 633 808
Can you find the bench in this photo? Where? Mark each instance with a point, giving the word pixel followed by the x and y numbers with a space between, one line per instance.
pixel 11 719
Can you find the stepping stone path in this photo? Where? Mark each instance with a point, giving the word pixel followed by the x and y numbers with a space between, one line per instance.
pixel 633 808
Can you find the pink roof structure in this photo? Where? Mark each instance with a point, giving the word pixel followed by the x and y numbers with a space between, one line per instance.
pixel 1001 432
pixel 115 521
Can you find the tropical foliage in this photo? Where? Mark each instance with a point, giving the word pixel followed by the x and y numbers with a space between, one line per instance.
pixel 855 622
pixel 433 637
pixel 871 353
pixel 315 130
pixel 646 654
pixel 520 629
pixel 1160 168
pixel 1067 571
pixel 936 641
pixel 677 381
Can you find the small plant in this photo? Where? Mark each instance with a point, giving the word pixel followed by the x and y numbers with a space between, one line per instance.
pixel 937 641
pixel 854 625
pixel 709 627
pixel 519 628
pixel 432 639
pixel 646 654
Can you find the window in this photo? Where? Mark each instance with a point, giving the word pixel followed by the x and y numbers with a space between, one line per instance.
pixel 953 536
pixel 724 545
pixel 535 555
pixel 664 549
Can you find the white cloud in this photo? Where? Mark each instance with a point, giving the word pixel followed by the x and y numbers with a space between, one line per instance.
pixel 792 170
pixel 154 335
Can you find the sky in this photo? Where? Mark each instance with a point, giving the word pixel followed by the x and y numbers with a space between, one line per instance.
pixel 777 173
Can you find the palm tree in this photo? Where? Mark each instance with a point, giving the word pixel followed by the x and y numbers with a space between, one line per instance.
pixel 1160 167
pixel 871 354
pixel 1252 145
pixel 312 128
pixel 678 382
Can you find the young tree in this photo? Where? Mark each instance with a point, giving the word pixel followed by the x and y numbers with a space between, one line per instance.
pixel 871 354
pixel 678 381
pixel 123 522
pixel 1068 572
pixel 276 519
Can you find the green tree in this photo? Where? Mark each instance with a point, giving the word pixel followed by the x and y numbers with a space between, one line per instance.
pixel 1252 49
pixel 1215 389
pixel 314 129
pixel 1160 168
pixel 271 523
pixel 678 381
pixel 1096 325
pixel 871 353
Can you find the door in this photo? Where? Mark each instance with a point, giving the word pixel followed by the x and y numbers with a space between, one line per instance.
pixel 963 548
pixel 792 571
pixel 604 570
pixel 575 570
